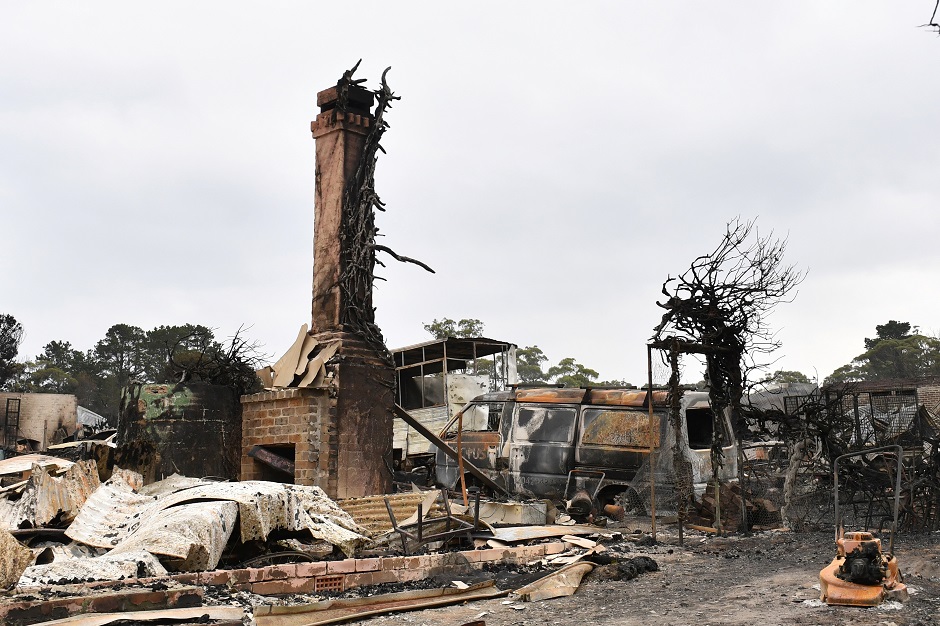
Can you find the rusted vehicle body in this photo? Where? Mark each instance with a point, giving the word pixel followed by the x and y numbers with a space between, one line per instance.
pixel 538 439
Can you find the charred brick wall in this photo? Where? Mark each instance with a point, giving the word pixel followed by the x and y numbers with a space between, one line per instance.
pixel 929 396
pixel 195 428
pixel 296 420
pixel 362 414
pixel 44 417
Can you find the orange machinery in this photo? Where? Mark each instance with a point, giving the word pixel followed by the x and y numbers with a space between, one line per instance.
pixel 861 574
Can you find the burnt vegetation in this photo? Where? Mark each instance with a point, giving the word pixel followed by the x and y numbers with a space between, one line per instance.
pixel 359 232
pixel 718 308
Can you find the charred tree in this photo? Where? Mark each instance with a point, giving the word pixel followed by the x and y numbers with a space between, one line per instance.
pixel 358 231
pixel 719 307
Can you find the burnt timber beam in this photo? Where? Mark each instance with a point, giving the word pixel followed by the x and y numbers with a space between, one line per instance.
pixel 446 449
pixel 274 460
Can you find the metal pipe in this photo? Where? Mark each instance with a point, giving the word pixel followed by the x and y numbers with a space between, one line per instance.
pixel 649 402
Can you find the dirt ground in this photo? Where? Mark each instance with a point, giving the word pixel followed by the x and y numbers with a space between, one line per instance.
pixel 767 578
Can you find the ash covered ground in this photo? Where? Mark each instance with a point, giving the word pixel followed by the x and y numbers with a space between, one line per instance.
pixel 767 578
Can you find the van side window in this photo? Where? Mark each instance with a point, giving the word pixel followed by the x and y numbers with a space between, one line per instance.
pixel 539 423
pixel 701 424
pixel 620 428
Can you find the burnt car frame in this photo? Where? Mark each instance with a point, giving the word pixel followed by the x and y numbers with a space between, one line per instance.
pixel 540 441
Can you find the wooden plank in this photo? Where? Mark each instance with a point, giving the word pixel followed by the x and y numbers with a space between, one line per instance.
pixel 337 611
pixel 235 613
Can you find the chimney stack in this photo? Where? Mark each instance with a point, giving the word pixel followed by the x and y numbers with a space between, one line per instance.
pixel 340 136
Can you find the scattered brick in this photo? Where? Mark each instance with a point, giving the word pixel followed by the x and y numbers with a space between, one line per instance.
pixel 346 566
pixel 308 570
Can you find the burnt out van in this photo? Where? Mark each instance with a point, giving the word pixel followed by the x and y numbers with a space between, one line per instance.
pixel 538 441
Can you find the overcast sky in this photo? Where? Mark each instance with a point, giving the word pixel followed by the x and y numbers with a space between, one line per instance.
pixel 554 162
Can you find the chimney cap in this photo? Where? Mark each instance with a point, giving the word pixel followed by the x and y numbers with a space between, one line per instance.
pixel 360 100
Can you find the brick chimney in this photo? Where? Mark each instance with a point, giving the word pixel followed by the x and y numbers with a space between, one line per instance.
pixel 340 137
pixel 360 419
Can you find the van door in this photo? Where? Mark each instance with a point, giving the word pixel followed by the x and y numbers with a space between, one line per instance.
pixel 541 449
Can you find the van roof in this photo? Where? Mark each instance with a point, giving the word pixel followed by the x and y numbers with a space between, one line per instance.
pixel 567 395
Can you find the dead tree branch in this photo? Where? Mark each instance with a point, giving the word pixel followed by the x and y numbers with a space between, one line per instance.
pixel 358 231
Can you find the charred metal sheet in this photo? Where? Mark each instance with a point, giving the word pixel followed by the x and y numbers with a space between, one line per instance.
pixel 63 496
pixel 335 611
pixel 527 533
pixel 551 395
pixel 262 508
pixel 106 567
pixel 111 513
pixel 265 506
pixel 195 615
pixel 479 447
pixel 24 464
pixel 46 497
pixel 560 583
pixel 271 459
pixel 190 537
pixel 541 449
pixel 624 397
pixel 370 513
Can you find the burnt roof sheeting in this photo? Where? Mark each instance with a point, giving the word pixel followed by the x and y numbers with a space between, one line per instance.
pixel 111 513
pixel 24 463
pixel 190 537
pixel 115 517
pixel 46 497
pixel 106 567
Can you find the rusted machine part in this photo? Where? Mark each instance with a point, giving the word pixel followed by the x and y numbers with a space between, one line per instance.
pixel 581 504
pixel 454 526
pixel 614 512
pixel 861 574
